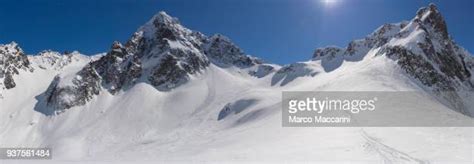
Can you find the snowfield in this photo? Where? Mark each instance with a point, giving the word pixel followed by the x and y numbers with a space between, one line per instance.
pixel 143 124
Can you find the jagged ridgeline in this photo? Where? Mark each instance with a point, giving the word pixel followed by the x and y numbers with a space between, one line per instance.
pixel 166 55
pixel 423 48
pixel 162 53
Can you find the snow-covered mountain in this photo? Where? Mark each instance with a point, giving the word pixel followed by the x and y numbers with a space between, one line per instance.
pixel 423 49
pixel 173 94
pixel 161 53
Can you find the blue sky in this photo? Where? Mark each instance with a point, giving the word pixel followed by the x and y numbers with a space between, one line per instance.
pixel 279 31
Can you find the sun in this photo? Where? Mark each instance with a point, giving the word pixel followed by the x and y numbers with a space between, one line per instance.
pixel 329 2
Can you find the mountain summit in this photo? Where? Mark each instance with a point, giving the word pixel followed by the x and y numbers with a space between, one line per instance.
pixel 12 59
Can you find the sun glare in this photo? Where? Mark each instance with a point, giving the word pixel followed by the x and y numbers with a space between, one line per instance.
pixel 329 2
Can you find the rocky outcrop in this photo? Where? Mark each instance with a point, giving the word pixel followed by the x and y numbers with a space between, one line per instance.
pixel 430 16
pixel 84 86
pixel 262 70
pixel 224 53
pixel 235 107
pixel 329 52
pixel 12 60
pixel 116 68
pixel 331 57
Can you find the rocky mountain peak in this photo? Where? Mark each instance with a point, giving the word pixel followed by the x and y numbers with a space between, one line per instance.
pixel 11 49
pixel 161 53
pixel 12 60
pixel 49 53
pixel 432 17
pixel 163 26
pixel 163 18
pixel 116 46
pixel 421 47
pixel 53 60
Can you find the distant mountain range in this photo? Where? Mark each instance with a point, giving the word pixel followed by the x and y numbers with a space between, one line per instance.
pixel 184 95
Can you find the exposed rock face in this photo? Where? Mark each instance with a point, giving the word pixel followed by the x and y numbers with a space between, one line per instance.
pixel 432 58
pixel 84 86
pixel 117 68
pixel 168 74
pixel 12 60
pixel 224 53
pixel 331 57
pixel 235 107
pixel 162 53
pixel 8 81
pixel 432 17
pixel 419 68
pixel 329 52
